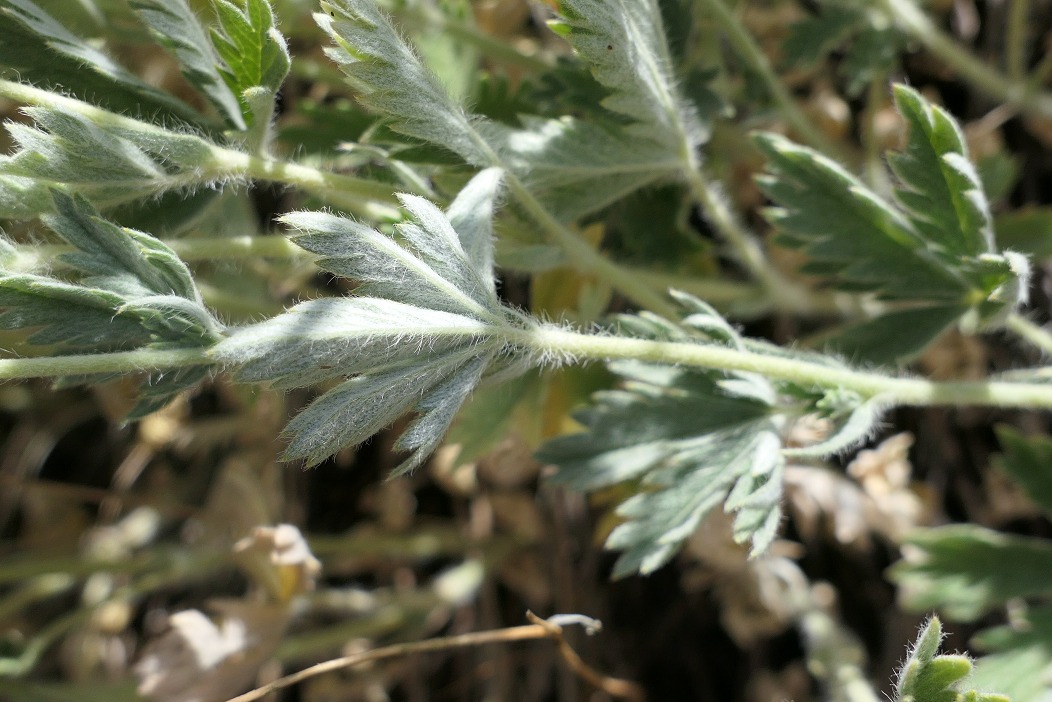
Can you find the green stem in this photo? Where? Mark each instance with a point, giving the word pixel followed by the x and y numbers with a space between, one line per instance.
pixel 1016 44
pixel 911 20
pixel 554 342
pixel 117 362
pixel 746 247
pixel 585 258
pixel 1026 330
pixel 757 61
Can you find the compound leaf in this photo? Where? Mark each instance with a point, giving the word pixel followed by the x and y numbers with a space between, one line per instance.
pixel 932 248
pixel 108 164
pixel 421 339
pixel 175 26
pixel 690 439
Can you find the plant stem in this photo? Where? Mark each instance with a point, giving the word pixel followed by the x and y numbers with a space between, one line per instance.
pixel 1016 44
pixel 117 362
pixel 911 20
pixel 757 61
pixel 750 254
pixel 555 342
pixel 585 258
pixel 1032 333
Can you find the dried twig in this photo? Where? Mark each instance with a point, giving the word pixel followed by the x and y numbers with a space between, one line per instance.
pixel 539 629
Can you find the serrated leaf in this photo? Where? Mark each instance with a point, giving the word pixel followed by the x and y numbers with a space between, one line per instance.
pixel 175 26
pixel 330 338
pixel 577 168
pixel 693 439
pixel 1020 664
pixel 940 190
pixel 421 341
pixel 391 79
pixel 1026 459
pixel 71 316
pixel 624 44
pixel 135 293
pixel 252 49
pixel 43 50
pixel 933 248
pixel 967 570
pixel 254 52
pixel 108 164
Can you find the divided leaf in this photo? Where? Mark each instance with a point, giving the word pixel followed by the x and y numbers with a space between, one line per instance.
pixel 419 334
pixel 108 163
pixel 691 439
pixel 175 26
pixel 624 44
pixel 133 292
pixel 931 250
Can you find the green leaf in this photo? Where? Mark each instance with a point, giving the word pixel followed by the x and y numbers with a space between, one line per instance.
pixel 1027 461
pixel 690 439
pixel 390 79
pixel 134 292
pixel 931 249
pixel 175 26
pixel 1020 664
pixel 624 44
pixel 1028 230
pixel 577 168
pixel 810 40
pixel 253 50
pixel 421 340
pixel 106 163
pixel 42 50
pixel 927 677
pixel 967 570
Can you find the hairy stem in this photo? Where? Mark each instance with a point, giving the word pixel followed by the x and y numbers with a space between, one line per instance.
pixel 911 20
pixel 560 343
pixel 116 362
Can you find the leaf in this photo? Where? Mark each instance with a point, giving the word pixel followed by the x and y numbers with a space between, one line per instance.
pixel 577 168
pixel 390 79
pixel 175 26
pixel 927 677
pixel 252 48
pixel 427 331
pixel 690 439
pixel 1028 230
pixel 1026 460
pixel 933 248
pixel 624 44
pixel 810 40
pixel 106 163
pixel 967 570
pixel 134 293
pixel 43 50
pixel 1021 662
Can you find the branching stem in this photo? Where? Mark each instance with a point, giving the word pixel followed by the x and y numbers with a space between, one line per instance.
pixel 1034 334
pixel 116 362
